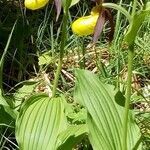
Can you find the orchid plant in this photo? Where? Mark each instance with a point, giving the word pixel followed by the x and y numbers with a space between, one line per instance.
pixel 93 25
pixel 41 122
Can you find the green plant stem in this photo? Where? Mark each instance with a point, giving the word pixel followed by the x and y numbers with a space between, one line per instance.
pixel 134 8
pixel 129 86
pixel 116 41
pixel 119 8
pixel 59 67
pixel 62 47
pixel 128 96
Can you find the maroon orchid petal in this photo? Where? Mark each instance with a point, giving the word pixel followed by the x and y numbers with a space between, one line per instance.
pixel 109 17
pixel 99 26
pixel 58 5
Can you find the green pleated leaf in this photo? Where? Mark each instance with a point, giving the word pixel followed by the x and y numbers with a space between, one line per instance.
pixel 40 121
pixel 135 25
pixel 5 118
pixel 3 103
pixel 95 136
pixel 105 116
pixel 71 136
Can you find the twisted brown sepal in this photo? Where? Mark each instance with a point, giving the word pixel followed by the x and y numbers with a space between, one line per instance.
pixel 99 25
pixel 58 4
pixel 104 15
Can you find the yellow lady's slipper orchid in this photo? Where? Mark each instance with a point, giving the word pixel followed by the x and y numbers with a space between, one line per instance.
pixel 85 25
pixel 35 4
